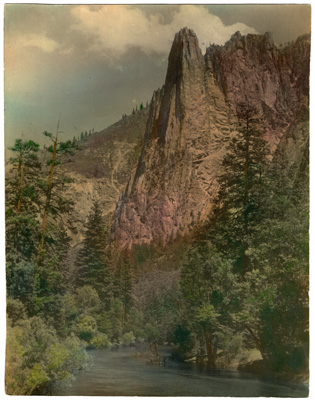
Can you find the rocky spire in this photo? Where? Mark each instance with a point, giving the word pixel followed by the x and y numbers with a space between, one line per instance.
pixel 191 120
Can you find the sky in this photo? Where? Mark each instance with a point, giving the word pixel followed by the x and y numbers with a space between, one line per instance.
pixel 89 64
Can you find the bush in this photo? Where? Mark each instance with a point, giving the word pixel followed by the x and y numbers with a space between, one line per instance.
pixel 87 300
pixel 15 311
pixel 36 356
pixel 151 332
pixel 86 327
pixel 99 340
pixel 127 339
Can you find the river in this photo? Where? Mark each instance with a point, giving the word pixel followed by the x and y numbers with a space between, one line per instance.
pixel 119 373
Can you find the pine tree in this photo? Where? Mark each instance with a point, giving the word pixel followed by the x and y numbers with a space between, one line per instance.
pixel 238 210
pixel 91 259
pixel 278 286
pixel 55 205
pixel 22 187
pixel 22 226
pixel 54 242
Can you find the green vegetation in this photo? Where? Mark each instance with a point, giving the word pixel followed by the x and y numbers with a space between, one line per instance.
pixel 241 283
pixel 55 314
pixel 245 282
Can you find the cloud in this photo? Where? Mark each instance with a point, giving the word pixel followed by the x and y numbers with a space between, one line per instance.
pixel 113 29
pixel 40 41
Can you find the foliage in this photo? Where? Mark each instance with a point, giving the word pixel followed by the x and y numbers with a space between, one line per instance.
pixel 127 339
pixel 91 259
pixel 36 356
pixel 210 297
pixel 245 282
pixel 99 341
pixel 238 209
pixel 86 328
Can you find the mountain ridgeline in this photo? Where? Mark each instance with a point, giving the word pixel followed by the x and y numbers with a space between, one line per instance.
pixel 194 117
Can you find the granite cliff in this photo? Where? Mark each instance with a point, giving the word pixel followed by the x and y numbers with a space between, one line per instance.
pixel 192 118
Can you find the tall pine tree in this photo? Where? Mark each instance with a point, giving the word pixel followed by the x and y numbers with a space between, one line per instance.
pixel 91 260
pixel 237 209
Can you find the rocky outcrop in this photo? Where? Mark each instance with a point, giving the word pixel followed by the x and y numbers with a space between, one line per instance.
pixel 252 69
pixel 191 120
pixel 101 168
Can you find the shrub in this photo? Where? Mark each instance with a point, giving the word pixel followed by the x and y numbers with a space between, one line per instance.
pixel 127 339
pixel 86 327
pixel 99 340
pixel 36 356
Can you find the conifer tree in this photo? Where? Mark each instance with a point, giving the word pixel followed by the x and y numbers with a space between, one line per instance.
pixel 238 210
pixel 53 240
pixel 22 225
pixel 55 205
pixel 91 259
pixel 21 188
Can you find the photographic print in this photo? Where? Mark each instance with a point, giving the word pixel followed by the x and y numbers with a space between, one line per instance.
pixel 157 199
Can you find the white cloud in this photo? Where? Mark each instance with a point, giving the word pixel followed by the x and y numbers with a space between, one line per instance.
pixel 115 28
pixel 42 42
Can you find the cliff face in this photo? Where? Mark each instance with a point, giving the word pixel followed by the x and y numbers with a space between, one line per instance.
pixel 252 69
pixel 101 168
pixel 193 117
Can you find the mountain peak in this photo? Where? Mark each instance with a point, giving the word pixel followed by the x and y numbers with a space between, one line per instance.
pixel 191 121
pixel 185 47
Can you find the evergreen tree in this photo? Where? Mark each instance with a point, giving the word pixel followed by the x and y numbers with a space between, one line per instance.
pixel 54 242
pixel 22 225
pixel 277 287
pixel 91 260
pixel 260 227
pixel 21 188
pixel 55 205
pixel 237 211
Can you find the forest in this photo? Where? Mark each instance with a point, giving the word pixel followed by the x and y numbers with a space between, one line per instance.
pixel 242 276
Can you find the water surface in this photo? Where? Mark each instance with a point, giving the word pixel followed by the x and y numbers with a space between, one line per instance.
pixel 120 373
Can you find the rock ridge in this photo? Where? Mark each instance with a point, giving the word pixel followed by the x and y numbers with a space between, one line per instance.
pixel 192 118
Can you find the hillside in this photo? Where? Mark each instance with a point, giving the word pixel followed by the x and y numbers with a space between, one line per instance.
pixel 102 167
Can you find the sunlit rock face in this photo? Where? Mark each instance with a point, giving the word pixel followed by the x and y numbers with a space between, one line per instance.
pixel 191 120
